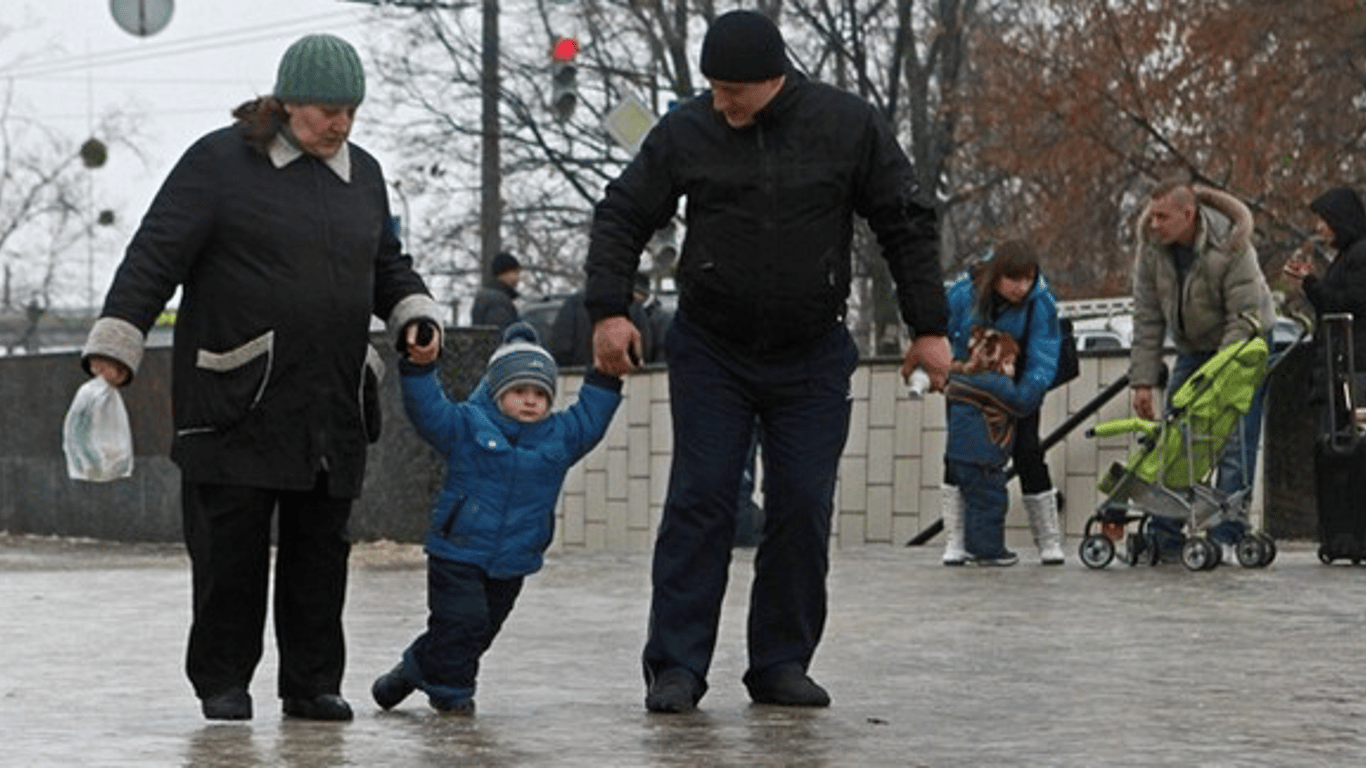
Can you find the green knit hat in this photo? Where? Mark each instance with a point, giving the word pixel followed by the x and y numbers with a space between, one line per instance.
pixel 321 69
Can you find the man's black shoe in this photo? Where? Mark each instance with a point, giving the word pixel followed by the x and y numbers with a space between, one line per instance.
pixel 228 705
pixel 392 687
pixel 458 709
pixel 328 706
pixel 786 685
pixel 674 691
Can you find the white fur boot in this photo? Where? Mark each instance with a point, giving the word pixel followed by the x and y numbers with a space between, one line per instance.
pixel 1043 522
pixel 951 512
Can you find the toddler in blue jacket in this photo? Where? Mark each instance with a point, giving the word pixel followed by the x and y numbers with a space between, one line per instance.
pixel 506 459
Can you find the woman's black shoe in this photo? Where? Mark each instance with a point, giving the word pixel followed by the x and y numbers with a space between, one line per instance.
pixel 228 705
pixel 328 706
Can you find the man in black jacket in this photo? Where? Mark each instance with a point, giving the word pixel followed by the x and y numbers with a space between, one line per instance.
pixel 774 169
pixel 493 304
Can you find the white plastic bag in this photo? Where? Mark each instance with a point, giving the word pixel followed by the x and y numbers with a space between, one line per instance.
pixel 96 436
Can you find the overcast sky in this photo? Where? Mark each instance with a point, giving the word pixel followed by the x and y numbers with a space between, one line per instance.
pixel 68 60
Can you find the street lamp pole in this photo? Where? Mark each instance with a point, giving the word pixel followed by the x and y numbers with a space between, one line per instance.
pixel 490 166
pixel 491 174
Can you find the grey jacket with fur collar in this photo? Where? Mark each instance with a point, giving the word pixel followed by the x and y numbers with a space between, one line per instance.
pixel 1205 313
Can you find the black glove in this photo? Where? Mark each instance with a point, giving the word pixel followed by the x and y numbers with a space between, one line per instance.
pixel 426 330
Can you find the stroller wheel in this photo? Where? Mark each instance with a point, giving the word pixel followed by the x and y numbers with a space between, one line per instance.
pixel 1260 544
pixel 1096 551
pixel 1198 554
pixel 1251 551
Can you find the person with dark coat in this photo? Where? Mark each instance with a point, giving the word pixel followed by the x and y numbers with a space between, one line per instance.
pixel 1340 222
pixel 572 332
pixel 278 232
pixel 493 304
pixel 774 168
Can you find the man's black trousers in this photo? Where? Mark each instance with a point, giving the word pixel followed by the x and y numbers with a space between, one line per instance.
pixel 802 402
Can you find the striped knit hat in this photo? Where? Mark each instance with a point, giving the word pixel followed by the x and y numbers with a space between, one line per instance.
pixel 520 360
pixel 321 69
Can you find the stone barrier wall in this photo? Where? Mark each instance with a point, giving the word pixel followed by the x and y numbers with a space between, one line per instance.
pixel 888 486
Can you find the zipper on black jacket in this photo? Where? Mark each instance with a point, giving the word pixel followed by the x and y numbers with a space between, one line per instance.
pixel 761 288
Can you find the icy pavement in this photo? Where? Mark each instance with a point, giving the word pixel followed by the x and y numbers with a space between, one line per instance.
pixel 927 666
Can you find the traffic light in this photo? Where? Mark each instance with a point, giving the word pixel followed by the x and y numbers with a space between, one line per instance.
pixel 564 73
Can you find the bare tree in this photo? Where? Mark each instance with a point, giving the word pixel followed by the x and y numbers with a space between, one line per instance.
pixel 46 212
pixel 904 57
pixel 1077 106
pixel 553 171
pixel 907 59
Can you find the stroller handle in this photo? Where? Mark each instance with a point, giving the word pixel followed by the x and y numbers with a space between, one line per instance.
pixel 1123 426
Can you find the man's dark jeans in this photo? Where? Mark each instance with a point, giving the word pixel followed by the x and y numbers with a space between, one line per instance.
pixel 803 403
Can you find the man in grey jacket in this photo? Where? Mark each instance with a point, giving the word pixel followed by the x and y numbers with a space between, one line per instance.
pixel 1195 276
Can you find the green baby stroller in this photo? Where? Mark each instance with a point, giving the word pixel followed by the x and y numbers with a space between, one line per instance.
pixel 1169 472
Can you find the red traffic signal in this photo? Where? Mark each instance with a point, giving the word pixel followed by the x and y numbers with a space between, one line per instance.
pixel 566 49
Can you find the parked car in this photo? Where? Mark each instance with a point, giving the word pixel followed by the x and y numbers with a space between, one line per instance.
pixel 1098 339
pixel 1100 333
pixel 540 312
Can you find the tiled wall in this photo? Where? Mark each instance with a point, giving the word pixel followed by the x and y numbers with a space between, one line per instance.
pixel 889 475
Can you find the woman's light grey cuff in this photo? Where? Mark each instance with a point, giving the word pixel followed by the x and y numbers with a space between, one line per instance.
pixel 119 339
pixel 417 306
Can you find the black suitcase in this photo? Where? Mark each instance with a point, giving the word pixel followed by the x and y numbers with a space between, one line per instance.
pixel 1340 452
pixel 1340 484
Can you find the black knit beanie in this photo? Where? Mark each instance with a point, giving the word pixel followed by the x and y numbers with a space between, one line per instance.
pixel 743 47
pixel 503 262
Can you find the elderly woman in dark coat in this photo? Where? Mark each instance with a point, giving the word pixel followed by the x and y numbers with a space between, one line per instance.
pixel 277 230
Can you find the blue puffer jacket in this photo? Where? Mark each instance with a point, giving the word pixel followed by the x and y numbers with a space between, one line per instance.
pixel 496 509
pixel 984 406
